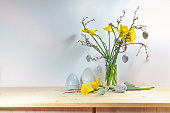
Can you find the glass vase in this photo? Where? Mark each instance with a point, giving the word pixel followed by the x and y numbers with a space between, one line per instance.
pixel 111 74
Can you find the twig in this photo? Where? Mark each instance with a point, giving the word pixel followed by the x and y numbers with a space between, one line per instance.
pixel 134 18
pixel 83 21
pixel 141 27
pixel 119 20
pixel 142 45
pixel 97 58
pixel 89 44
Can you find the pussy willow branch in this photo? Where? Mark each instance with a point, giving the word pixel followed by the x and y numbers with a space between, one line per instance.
pixel 84 24
pixel 89 44
pixel 141 27
pixel 119 20
pixel 142 45
pixel 134 18
pixel 96 58
pixel 147 56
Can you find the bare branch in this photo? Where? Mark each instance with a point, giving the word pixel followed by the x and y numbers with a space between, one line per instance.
pixel 120 20
pixel 134 18
pixel 97 58
pixel 89 44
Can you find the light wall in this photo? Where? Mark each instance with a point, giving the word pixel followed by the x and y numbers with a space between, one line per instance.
pixel 38 40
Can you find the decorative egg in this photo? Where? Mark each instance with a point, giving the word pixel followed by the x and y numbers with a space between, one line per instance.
pixel 107 88
pixel 99 68
pixel 129 84
pixel 145 35
pixel 88 57
pixel 101 91
pixel 72 82
pixel 120 88
pixel 87 76
pixel 124 58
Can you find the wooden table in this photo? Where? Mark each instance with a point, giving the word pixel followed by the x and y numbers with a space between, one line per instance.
pixel 52 100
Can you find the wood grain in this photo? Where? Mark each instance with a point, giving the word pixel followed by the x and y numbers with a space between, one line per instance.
pixel 45 110
pixel 133 110
pixel 54 97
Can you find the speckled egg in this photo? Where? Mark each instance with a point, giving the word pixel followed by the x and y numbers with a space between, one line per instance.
pixel 101 91
pixel 72 82
pixel 124 58
pixel 120 88
pixel 88 57
pixel 129 84
pixel 145 35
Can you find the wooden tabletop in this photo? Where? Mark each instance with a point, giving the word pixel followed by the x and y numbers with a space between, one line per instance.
pixel 54 97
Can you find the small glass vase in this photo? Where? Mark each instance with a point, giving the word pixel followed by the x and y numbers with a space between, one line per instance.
pixel 111 74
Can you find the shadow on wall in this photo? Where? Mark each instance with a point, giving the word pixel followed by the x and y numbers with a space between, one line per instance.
pixel 72 51
pixel 131 72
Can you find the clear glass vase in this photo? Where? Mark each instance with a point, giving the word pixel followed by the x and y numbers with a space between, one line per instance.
pixel 111 74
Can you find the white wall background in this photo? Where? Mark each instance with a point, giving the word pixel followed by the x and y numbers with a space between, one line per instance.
pixel 38 40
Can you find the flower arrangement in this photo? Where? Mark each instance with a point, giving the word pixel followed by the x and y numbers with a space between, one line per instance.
pixel 123 36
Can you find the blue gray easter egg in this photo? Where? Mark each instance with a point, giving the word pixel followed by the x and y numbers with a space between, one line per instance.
pixel 101 91
pixel 145 35
pixel 124 58
pixel 99 68
pixel 88 57
pixel 107 88
pixel 72 82
pixel 120 88
pixel 129 84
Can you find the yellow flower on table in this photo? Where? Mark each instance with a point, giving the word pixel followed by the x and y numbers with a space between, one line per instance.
pixel 108 28
pixel 85 89
pixel 95 84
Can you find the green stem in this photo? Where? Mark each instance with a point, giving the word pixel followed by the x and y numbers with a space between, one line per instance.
pixel 99 45
pixel 107 55
pixel 115 39
pixel 113 32
pixel 109 42
pixel 116 53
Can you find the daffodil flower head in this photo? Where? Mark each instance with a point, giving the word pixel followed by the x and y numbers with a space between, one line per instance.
pixel 85 89
pixel 92 32
pixel 85 30
pixel 131 35
pixel 108 28
pixel 123 31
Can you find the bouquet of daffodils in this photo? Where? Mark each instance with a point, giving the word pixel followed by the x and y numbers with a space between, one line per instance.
pixel 122 36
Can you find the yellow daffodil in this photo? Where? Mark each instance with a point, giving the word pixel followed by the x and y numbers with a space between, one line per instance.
pixel 95 84
pixel 125 34
pixel 85 89
pixel 92 32
pixel 132 35
pixel 108 28
pixel 123 31
pixel 85 30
